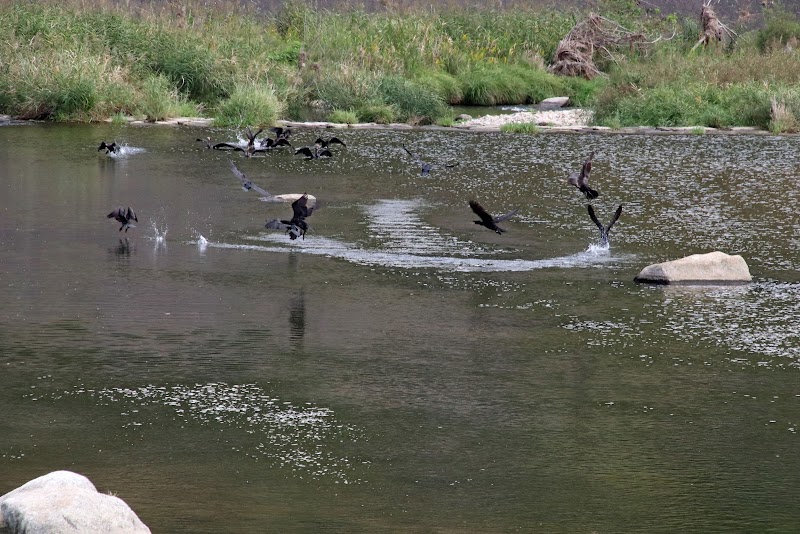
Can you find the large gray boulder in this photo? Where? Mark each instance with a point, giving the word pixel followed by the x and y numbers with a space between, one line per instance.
pixel 712 268
pixel 63 501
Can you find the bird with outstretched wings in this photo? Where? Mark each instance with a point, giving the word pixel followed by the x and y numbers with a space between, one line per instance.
pixel 487 219
pixel 247 185
pixel 581 179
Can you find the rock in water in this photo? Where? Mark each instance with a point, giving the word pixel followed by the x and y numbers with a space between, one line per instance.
pixel 554 102
pixel 712 268
pixel 63 501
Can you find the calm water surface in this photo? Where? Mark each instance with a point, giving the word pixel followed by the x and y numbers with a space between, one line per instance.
pixel 402 368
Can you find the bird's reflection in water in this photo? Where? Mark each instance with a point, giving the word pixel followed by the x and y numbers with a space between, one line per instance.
pixel 123 249
pixel 297 319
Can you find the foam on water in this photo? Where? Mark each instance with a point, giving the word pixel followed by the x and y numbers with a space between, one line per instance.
pixel 716 315
pixel 302 439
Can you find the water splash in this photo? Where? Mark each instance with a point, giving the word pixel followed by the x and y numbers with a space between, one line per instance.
pixel 125 151
pixel 202 243
pixel 599 249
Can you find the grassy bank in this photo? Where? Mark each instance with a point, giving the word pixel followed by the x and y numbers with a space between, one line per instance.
pixel 91 62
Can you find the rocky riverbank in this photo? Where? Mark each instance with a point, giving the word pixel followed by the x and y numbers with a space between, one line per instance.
pixel 562 120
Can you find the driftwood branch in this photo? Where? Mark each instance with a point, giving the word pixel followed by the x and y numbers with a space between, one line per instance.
pixel 575 53
pixel 713 29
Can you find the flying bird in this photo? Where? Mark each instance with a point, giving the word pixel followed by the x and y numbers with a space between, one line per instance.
pixel 314 152
pixel 296 226
pixel 248 150
pixel 604 229
pixel 268 142
pixel 247 185
pixel 581 179
pixel 112 147
pixel 123 216
pixel 426 167
pixel 324 143
pixel 487 220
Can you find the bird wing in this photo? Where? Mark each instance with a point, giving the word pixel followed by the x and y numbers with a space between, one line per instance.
pixel 226 146
pixel 304 150
pixel 277 224
pixel 239 174
pixel 451 165
pixel 586 170
pixel 246 183
pixel 325 154
pixel 260 190
pixel 300 207
pixel 336 141
pixel 573 179
pixel 282 142
pixel 321 142
pixel 131 215
pixel 505 217
pixel 115 213
pixel 480 212
pixel 596 220
pixel 614 219
pixel 416 159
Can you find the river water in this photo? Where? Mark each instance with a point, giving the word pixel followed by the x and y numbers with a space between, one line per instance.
pixel 403 369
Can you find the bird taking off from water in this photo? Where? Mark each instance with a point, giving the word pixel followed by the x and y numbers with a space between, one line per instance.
pixel 110 148
pixel 581 179
pixel 124 216
pixel 604 230
pixel 297 226
pixel 314 152
pixel 487 220
pixel 247 185
pixel 325 143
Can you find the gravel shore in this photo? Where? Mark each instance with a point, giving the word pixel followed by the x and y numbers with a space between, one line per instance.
pixel 559 117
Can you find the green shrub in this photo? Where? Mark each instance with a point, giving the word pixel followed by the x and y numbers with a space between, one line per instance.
pixel 343 116
pixel 379 113
pixel 413 101
pixel 780 28
pixel 520 127
pixel 160 99
pixel 250 104
pixel 509 84
pixel 441 83
pixel 344 87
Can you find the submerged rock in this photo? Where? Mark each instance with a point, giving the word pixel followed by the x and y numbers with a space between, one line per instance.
pixel 712 268
pixel 63 501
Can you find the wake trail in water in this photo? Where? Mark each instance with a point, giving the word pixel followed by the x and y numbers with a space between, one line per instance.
pixel 409 260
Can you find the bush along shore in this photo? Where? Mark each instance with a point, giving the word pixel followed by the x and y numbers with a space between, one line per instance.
pixel 92 61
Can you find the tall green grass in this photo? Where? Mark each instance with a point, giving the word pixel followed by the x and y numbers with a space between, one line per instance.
pixel 89 60
pixel 250 104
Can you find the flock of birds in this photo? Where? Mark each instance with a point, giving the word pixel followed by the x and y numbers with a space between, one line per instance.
pixel 296 226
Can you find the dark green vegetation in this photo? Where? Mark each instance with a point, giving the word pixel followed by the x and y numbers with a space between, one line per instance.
pixel 91 63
